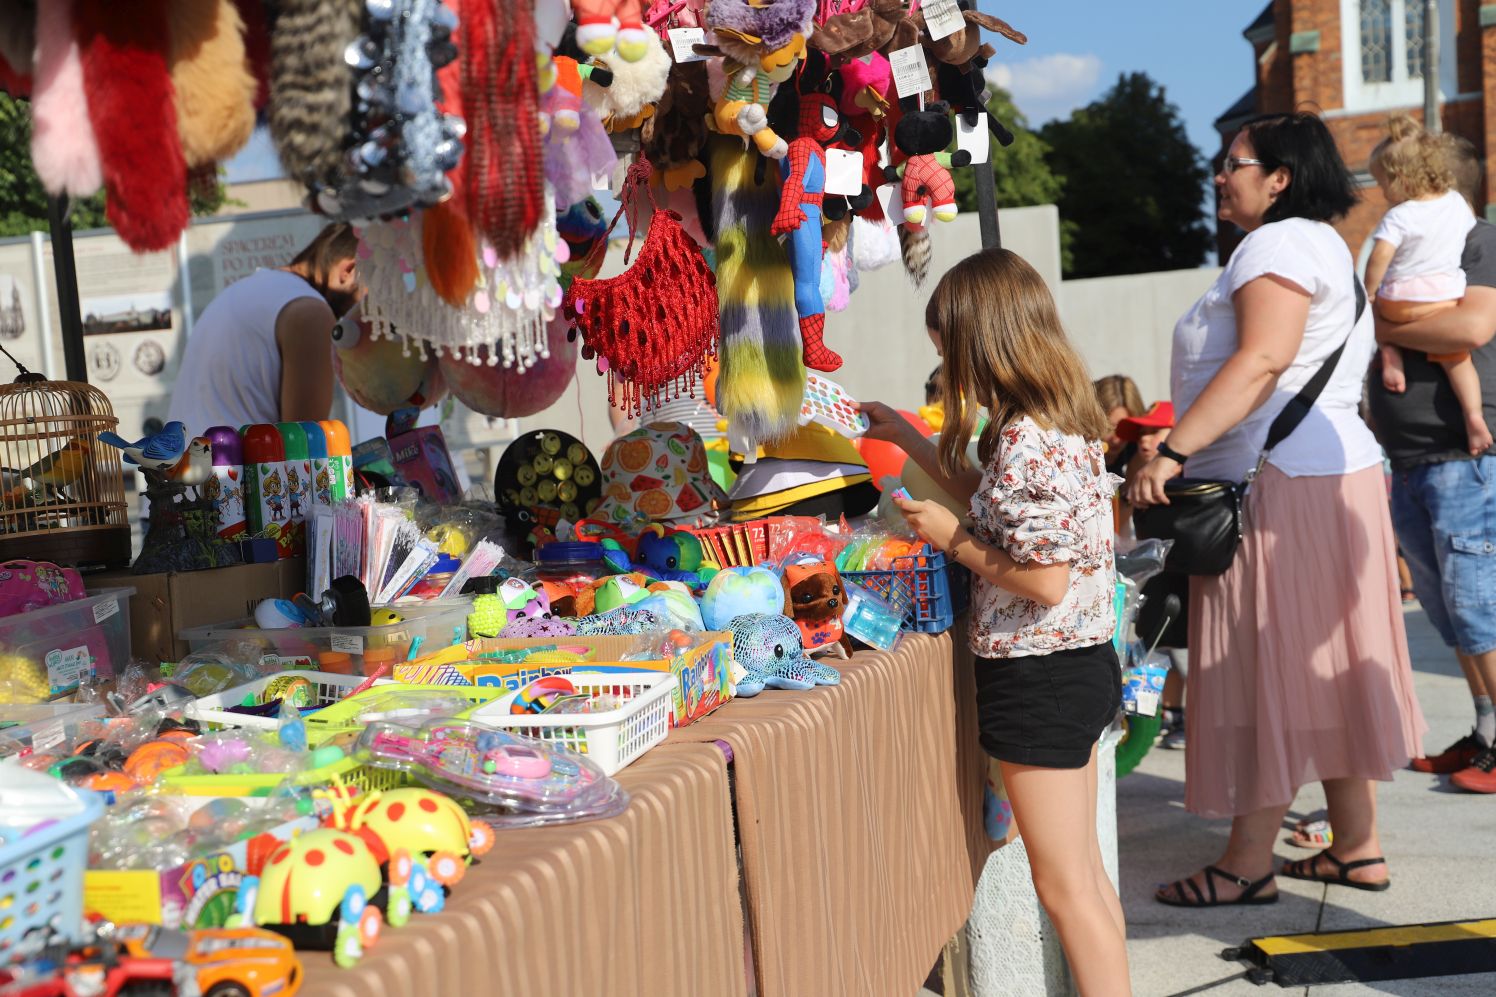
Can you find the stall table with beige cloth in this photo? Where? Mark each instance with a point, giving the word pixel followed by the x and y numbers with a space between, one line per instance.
pixel 858 812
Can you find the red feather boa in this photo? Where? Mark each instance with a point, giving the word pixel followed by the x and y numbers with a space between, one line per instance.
pixel 500 96
pixel 132 106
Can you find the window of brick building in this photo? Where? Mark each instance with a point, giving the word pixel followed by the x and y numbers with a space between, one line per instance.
pixel 1383 53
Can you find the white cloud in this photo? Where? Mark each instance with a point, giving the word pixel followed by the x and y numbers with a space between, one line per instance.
pixel 1049 86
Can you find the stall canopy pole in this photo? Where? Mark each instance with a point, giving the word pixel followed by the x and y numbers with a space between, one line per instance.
pixel 68 311
pixel 987 205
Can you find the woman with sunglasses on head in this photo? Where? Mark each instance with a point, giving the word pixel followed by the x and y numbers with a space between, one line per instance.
pixel 1299 668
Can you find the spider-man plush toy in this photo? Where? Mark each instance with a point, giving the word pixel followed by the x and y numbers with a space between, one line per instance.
pixel 803 170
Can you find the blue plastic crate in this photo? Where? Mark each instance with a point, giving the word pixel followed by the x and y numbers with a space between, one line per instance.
pixel 930 592
pixel 43 859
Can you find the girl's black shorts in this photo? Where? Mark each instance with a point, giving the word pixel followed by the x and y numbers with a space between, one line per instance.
pixel 1048 709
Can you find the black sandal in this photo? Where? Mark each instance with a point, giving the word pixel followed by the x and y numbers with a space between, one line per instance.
pixel 1305 869
pixel 1247 898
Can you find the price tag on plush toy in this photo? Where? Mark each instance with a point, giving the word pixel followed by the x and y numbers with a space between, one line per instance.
pixel 843 172
pixel 911 75
pixel 891 200
pixel 682 40
pixel 974 139
pixel 942 18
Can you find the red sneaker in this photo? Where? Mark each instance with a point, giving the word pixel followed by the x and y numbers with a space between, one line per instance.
pixel 1480 777
pixel 1454 758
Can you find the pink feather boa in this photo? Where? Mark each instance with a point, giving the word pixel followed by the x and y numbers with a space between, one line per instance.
pixel 63 147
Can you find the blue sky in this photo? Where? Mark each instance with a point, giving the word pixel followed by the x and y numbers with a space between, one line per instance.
pixel 1076 50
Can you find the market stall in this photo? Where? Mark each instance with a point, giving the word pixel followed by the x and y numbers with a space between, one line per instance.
pixel 684 716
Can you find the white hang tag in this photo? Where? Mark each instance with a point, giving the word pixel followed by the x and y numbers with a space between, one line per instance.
pixel 911 75
pixel 942 18
pixel 843 172
pixel 681 40
pixel 891 200
pixel 974 139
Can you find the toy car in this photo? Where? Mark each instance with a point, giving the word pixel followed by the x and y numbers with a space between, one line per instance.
pixel 142 960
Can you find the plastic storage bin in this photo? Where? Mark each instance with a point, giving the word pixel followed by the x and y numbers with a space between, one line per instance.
pixel 40 726
pixel 613 738
pixel 930 592
pixel 346 650
pixel 327 688
pixel 47 652
pixel 43 855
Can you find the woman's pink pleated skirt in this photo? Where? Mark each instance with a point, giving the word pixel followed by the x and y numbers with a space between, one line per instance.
pixel 1299 668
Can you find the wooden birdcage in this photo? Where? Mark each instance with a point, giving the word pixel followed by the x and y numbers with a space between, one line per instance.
pixel 62 492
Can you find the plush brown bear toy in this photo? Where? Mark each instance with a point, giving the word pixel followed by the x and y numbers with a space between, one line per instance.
pixel 815 599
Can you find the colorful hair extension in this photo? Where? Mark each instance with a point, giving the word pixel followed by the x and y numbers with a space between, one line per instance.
pixel 63 148
pixel 133 110
pixel 215 89
pixel 762 380
pixel 501 98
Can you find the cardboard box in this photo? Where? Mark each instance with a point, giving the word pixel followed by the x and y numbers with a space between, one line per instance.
pixel 200 894
pixel 164 605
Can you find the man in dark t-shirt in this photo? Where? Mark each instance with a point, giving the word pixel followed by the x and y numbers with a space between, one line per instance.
pixel 1443 499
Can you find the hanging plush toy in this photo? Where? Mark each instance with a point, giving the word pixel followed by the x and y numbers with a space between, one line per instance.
pixel 925 183
pixel 762 41
pixel 632 87
pixel 603 25
pixel 577 148
pixel 866 86
pixel 214 88
pixel 63 148
pixel 311 96
pixel 803 172
pixel 383 375
pixel 674 137
pixel 876 26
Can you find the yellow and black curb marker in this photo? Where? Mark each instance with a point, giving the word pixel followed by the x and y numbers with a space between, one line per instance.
pixel 1406 952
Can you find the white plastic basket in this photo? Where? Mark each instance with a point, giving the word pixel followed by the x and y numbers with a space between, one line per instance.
pixel 612 739
pixel 213 711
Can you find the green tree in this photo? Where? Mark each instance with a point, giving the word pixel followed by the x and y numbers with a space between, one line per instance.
pixel 1133 183
pixel 23 202
pixel 1021 176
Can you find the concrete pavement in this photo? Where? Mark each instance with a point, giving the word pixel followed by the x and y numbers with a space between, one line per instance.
pixel 1441 845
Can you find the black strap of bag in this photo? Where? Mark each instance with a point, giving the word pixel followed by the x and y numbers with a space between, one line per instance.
pixel 1204 518
pixel 1299 405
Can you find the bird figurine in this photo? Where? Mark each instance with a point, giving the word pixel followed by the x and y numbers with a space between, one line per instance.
pixel 196 464
pixel 56 471
pixel 160 452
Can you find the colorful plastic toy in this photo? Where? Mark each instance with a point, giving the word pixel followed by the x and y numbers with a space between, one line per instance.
pixel 311 884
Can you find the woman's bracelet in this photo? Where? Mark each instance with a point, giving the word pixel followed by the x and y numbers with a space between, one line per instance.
pixel 1164 450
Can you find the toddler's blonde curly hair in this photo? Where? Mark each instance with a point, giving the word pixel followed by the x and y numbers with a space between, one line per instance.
pixel 1414 162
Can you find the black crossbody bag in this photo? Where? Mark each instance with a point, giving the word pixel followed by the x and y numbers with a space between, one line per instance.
pixel 1204 517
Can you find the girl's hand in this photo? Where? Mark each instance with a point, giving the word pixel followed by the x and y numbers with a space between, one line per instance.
pixel 1147 486
pixel 935 524
pixel 884 423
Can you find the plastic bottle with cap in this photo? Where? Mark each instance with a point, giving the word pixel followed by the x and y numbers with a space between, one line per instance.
pixel 298 483
pixel 265 483
pixel 320 488
pixel 225 489
pixel 339 458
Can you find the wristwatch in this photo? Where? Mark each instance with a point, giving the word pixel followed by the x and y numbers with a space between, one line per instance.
pixel 1164 450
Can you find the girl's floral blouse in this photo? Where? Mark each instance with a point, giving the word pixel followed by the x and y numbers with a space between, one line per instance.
pixel 1042 500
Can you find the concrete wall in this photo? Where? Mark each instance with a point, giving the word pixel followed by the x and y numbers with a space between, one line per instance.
pixel 1125 325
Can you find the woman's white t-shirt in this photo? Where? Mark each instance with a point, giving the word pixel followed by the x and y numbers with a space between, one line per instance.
pixel 1429 237
pixel 1332 439
pixel 231 373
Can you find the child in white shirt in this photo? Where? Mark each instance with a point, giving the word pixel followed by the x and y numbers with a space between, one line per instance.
pixel 1414 268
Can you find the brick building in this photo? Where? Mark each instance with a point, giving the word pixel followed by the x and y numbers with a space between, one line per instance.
pixel 1357 62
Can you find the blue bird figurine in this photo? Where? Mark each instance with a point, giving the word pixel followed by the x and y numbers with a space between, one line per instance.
pixel 160 452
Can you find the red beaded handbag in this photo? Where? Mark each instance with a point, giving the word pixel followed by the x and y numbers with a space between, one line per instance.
pixel 652 327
